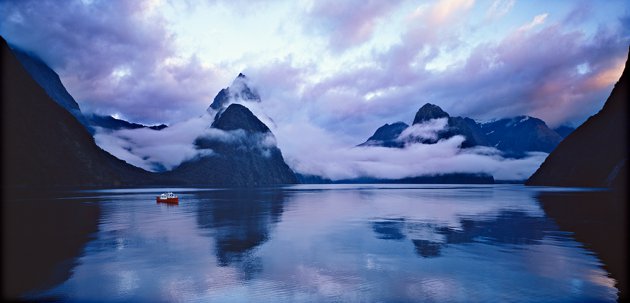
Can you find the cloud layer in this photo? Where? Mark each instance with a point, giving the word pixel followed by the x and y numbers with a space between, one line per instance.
pixel 318 153
pixel 158 150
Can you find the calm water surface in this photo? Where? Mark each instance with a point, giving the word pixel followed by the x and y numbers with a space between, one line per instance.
pixel 366 243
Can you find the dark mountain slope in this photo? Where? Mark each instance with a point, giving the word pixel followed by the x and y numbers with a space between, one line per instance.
pixel 245 157
pixel 45 146
pixel 596 153
pixel 49 80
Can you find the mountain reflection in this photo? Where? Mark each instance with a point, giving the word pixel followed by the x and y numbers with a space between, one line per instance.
pixel 508 227
pixel 42 238
pixel 389 229
pixel 599 220
pixel 239 221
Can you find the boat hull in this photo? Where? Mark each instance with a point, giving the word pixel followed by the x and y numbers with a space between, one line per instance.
pixel 167 200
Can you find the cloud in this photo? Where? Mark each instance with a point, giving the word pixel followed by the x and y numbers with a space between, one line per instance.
pixel 315 150
pixel 124 58
pixel 494 79
pixel 119 58
pixel 444 10
pixel 158 150
pixel 167 148
pixel 499 8
pixel 427 130
pixel 340 162
pixel 347 23
pixel 538 20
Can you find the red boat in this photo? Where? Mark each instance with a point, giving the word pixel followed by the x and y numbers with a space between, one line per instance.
pixel 167 198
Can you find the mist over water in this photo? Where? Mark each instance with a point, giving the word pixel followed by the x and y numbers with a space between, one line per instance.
pixel 332 243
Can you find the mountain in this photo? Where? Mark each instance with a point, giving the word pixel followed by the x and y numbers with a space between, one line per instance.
pixel 244 155
pixel 596 153
pixel 428 112
pixel 239 90
pixel 513 136
pixel 386 135
pixel 111 123
pixel 521 134
pixel 50 82
pixel 564 130
pixel 44 145
pixel 469 128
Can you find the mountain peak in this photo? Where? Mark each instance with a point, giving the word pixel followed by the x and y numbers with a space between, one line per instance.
pixel 239 90
pixel 429 111
pixel 237 116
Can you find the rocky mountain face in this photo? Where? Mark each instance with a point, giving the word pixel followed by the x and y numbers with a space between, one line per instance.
pixel 49 80
pixel 596 153
pixel 44 145
pixel 243 153
pixel 513 136
pixel 239 90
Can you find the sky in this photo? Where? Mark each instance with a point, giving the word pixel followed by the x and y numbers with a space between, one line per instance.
pixel 329 70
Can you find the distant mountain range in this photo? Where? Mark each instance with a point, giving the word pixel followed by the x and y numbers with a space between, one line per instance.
pixel 513 136
pixel 596 153
pixel 111 123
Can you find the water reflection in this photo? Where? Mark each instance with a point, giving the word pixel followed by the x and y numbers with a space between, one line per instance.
pixel 507 227
pixel 599 220
pixel 43 235
pixel 238 221
pixel 334 243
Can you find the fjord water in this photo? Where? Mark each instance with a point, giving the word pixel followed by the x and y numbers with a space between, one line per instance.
pixel 351 243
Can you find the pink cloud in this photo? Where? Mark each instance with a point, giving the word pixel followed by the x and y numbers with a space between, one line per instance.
pixel 348 23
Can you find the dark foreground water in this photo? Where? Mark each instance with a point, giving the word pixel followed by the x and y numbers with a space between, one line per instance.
pixel 351 243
